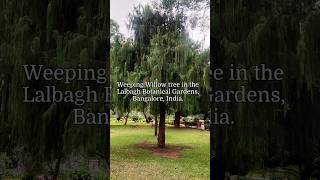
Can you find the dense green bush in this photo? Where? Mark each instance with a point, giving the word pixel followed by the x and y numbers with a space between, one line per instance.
pixel 80 175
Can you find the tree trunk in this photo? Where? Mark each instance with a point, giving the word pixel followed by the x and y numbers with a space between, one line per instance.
pixel 4 99
pixel 57 168
pixel 145 116
pixel 64 113
pixel 156 125
pixel 177 119
pixel 125 120
pixel 217 163
pixel 162 126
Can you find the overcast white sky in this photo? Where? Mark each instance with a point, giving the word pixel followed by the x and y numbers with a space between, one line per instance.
pixel 120 9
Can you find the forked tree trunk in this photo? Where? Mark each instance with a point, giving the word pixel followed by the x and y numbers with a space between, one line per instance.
pixel 156 125
pixel 145 116
pixel 177 119
pixel 162 126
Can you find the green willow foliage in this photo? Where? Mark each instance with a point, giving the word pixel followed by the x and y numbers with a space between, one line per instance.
pixel 281 34
pixel 54 33
pixel 159 50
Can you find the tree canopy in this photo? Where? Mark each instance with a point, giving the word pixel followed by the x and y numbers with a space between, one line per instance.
pixel 159 50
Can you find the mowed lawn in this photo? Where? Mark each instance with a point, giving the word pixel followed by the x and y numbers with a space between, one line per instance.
pixel 128 161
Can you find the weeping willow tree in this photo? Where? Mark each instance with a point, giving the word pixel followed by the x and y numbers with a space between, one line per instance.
pixel 280 34
pixel 160 50
pixel 56 34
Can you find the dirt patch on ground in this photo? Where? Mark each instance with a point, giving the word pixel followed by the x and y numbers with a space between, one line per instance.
pixel 171 151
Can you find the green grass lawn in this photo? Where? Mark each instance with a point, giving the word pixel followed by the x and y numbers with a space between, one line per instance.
pixel 131 162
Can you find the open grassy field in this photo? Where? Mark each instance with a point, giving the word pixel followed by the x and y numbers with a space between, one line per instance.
pixel 188 159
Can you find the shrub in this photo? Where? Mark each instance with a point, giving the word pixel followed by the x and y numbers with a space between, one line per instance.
pixel 80 175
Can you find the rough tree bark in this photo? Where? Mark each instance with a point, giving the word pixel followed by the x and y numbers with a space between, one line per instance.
pixel 162 126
